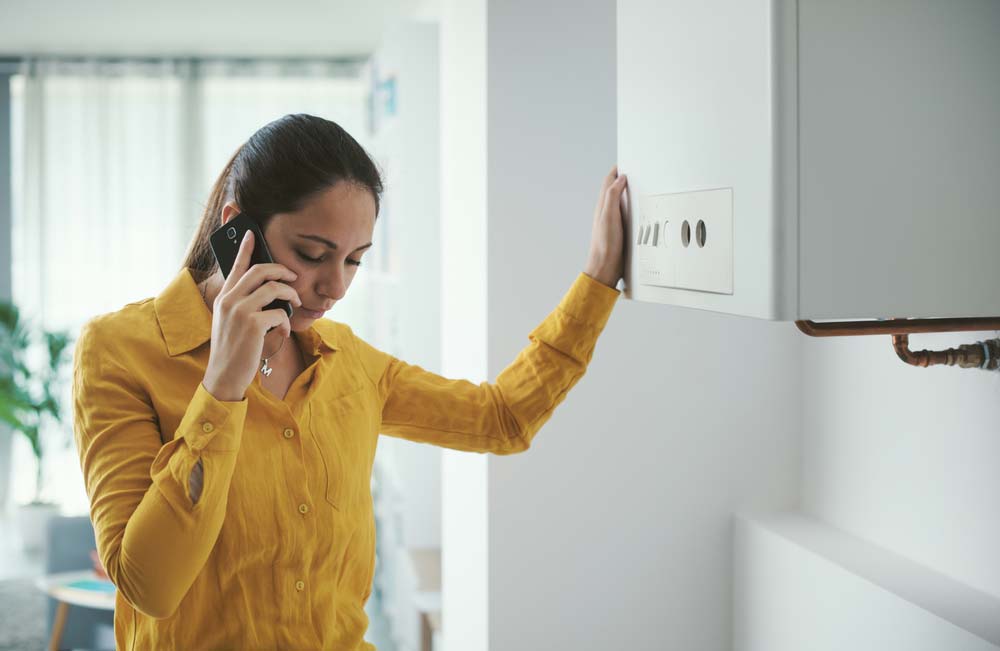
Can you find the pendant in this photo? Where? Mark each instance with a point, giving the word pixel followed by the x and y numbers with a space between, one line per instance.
pixel 265 369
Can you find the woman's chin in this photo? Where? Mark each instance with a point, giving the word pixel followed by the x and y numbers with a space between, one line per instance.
pixel 300 321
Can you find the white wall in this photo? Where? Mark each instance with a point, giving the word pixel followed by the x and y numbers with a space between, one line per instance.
pixel 464 508
pixel 905 457
pixel 407 146
pixel 894 547
pixel 614 529
pixel 6 266
pixel 802 584
pixel 193 28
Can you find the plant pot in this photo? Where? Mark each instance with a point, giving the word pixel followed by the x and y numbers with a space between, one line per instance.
pixel 32 523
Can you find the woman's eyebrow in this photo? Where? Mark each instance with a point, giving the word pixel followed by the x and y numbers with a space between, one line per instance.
pixel 328 243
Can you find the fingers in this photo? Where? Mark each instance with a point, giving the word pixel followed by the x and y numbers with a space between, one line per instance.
pixel 257 276
pixel 242 262
pixel 270 291
pixel 620 183
pixel 277 318
pixel 614 191
pixel 609 179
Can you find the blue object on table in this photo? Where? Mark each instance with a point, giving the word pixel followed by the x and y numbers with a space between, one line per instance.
pixel 68 546
pixel 92 585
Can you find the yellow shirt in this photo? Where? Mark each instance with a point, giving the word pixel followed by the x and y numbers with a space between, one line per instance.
pixel 279 551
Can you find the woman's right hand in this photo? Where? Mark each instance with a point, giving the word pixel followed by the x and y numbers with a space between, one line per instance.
pixel 239 322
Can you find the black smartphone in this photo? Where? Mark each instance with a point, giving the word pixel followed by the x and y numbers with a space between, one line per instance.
pixel 226 244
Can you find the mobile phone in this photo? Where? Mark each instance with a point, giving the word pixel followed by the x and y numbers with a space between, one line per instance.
pixel 226 242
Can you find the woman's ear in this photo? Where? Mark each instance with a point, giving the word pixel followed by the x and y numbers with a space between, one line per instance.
pixel 229 211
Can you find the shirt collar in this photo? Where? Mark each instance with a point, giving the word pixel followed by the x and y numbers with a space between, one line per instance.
pixel 186 322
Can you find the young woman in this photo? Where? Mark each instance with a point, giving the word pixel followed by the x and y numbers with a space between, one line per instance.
pixel 232 508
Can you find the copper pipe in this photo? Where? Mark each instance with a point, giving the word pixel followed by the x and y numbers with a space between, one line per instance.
pixel 896 326
pixel 982 354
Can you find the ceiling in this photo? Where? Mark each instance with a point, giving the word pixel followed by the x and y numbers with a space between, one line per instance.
pixel 204 28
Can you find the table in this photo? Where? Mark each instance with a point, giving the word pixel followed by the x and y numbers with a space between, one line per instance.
pixel 57 586
pixel 427 598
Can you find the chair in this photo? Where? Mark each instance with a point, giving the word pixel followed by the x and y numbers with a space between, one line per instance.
pixel 68 545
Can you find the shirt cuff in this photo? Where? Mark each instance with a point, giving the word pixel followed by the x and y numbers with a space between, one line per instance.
pixel 589 301
pixel 208 418
pixel 574 326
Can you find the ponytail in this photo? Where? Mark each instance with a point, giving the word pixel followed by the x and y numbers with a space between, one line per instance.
pixel 199 257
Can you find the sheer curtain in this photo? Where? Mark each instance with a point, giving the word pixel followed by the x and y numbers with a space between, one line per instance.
pixel 112 165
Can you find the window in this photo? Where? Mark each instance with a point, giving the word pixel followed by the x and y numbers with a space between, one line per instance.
pixel 112 165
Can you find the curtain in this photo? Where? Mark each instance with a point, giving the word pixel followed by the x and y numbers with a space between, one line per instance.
pixel 112 165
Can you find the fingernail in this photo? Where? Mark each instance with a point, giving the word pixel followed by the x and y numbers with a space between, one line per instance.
pixel 246 236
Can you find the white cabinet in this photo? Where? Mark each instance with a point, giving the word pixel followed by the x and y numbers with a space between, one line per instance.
pixel 842 156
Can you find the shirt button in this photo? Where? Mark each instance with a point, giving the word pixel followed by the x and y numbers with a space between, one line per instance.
pixel 300 585
pixel 289 433
pixel 207 427
pixel 303 508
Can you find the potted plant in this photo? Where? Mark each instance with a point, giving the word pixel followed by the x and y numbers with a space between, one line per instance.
pixel 27 398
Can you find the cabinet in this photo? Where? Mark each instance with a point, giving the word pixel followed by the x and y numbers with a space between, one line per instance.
pixel 812 159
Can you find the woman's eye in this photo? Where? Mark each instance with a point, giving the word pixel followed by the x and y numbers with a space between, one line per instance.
pixel 356 263
pixel 308 259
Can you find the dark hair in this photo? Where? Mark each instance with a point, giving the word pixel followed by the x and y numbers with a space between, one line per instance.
pixel 278 169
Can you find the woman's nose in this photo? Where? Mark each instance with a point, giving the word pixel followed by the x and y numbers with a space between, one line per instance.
pixel 334 288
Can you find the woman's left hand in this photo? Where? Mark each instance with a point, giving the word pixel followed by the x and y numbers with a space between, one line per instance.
pixel 606 262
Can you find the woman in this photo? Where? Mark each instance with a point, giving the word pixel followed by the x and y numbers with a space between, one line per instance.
pixel 232 509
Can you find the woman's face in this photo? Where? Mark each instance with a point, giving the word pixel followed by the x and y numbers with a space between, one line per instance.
pixel 323 243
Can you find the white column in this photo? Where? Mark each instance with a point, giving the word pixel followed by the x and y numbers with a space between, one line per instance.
pixel 464 509
pixel 6 209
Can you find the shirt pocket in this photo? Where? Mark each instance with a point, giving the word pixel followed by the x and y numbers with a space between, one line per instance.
pixel 342 434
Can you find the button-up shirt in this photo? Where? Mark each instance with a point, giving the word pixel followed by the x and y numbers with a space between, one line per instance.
pixel 278 552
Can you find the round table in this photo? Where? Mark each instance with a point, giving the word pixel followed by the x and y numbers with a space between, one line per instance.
pixel 58 587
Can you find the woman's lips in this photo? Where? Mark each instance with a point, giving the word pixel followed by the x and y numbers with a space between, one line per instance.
pixel 312 314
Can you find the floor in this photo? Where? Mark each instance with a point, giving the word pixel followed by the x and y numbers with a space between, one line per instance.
pixel 22 606
pixel 22 619
pixel 22 616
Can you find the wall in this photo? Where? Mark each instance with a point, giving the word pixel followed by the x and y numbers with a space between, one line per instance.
pixel 6 265
pixel 802 584
pixel 905 457
pixel 407 147
pixel 192 28
pixel 464 507
pixel 894 547
pixel 615 529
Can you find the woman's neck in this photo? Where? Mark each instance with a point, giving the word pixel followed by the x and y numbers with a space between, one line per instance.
pixel 287 351
pixel 210 287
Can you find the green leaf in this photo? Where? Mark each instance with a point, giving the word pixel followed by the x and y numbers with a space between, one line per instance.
pixel 19 384
pixel 10 416
pixel 50 406
pixel 13 397
pixel 9 316
pixel 31 431
pixel 58 343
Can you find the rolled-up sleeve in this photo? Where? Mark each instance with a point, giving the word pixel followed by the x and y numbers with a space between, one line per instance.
pixel 151 537
pixel 500 417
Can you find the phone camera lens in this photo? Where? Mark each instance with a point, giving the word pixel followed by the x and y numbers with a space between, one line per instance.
pixel 231 233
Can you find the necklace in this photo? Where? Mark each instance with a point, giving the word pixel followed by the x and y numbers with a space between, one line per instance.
pixel 264 368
